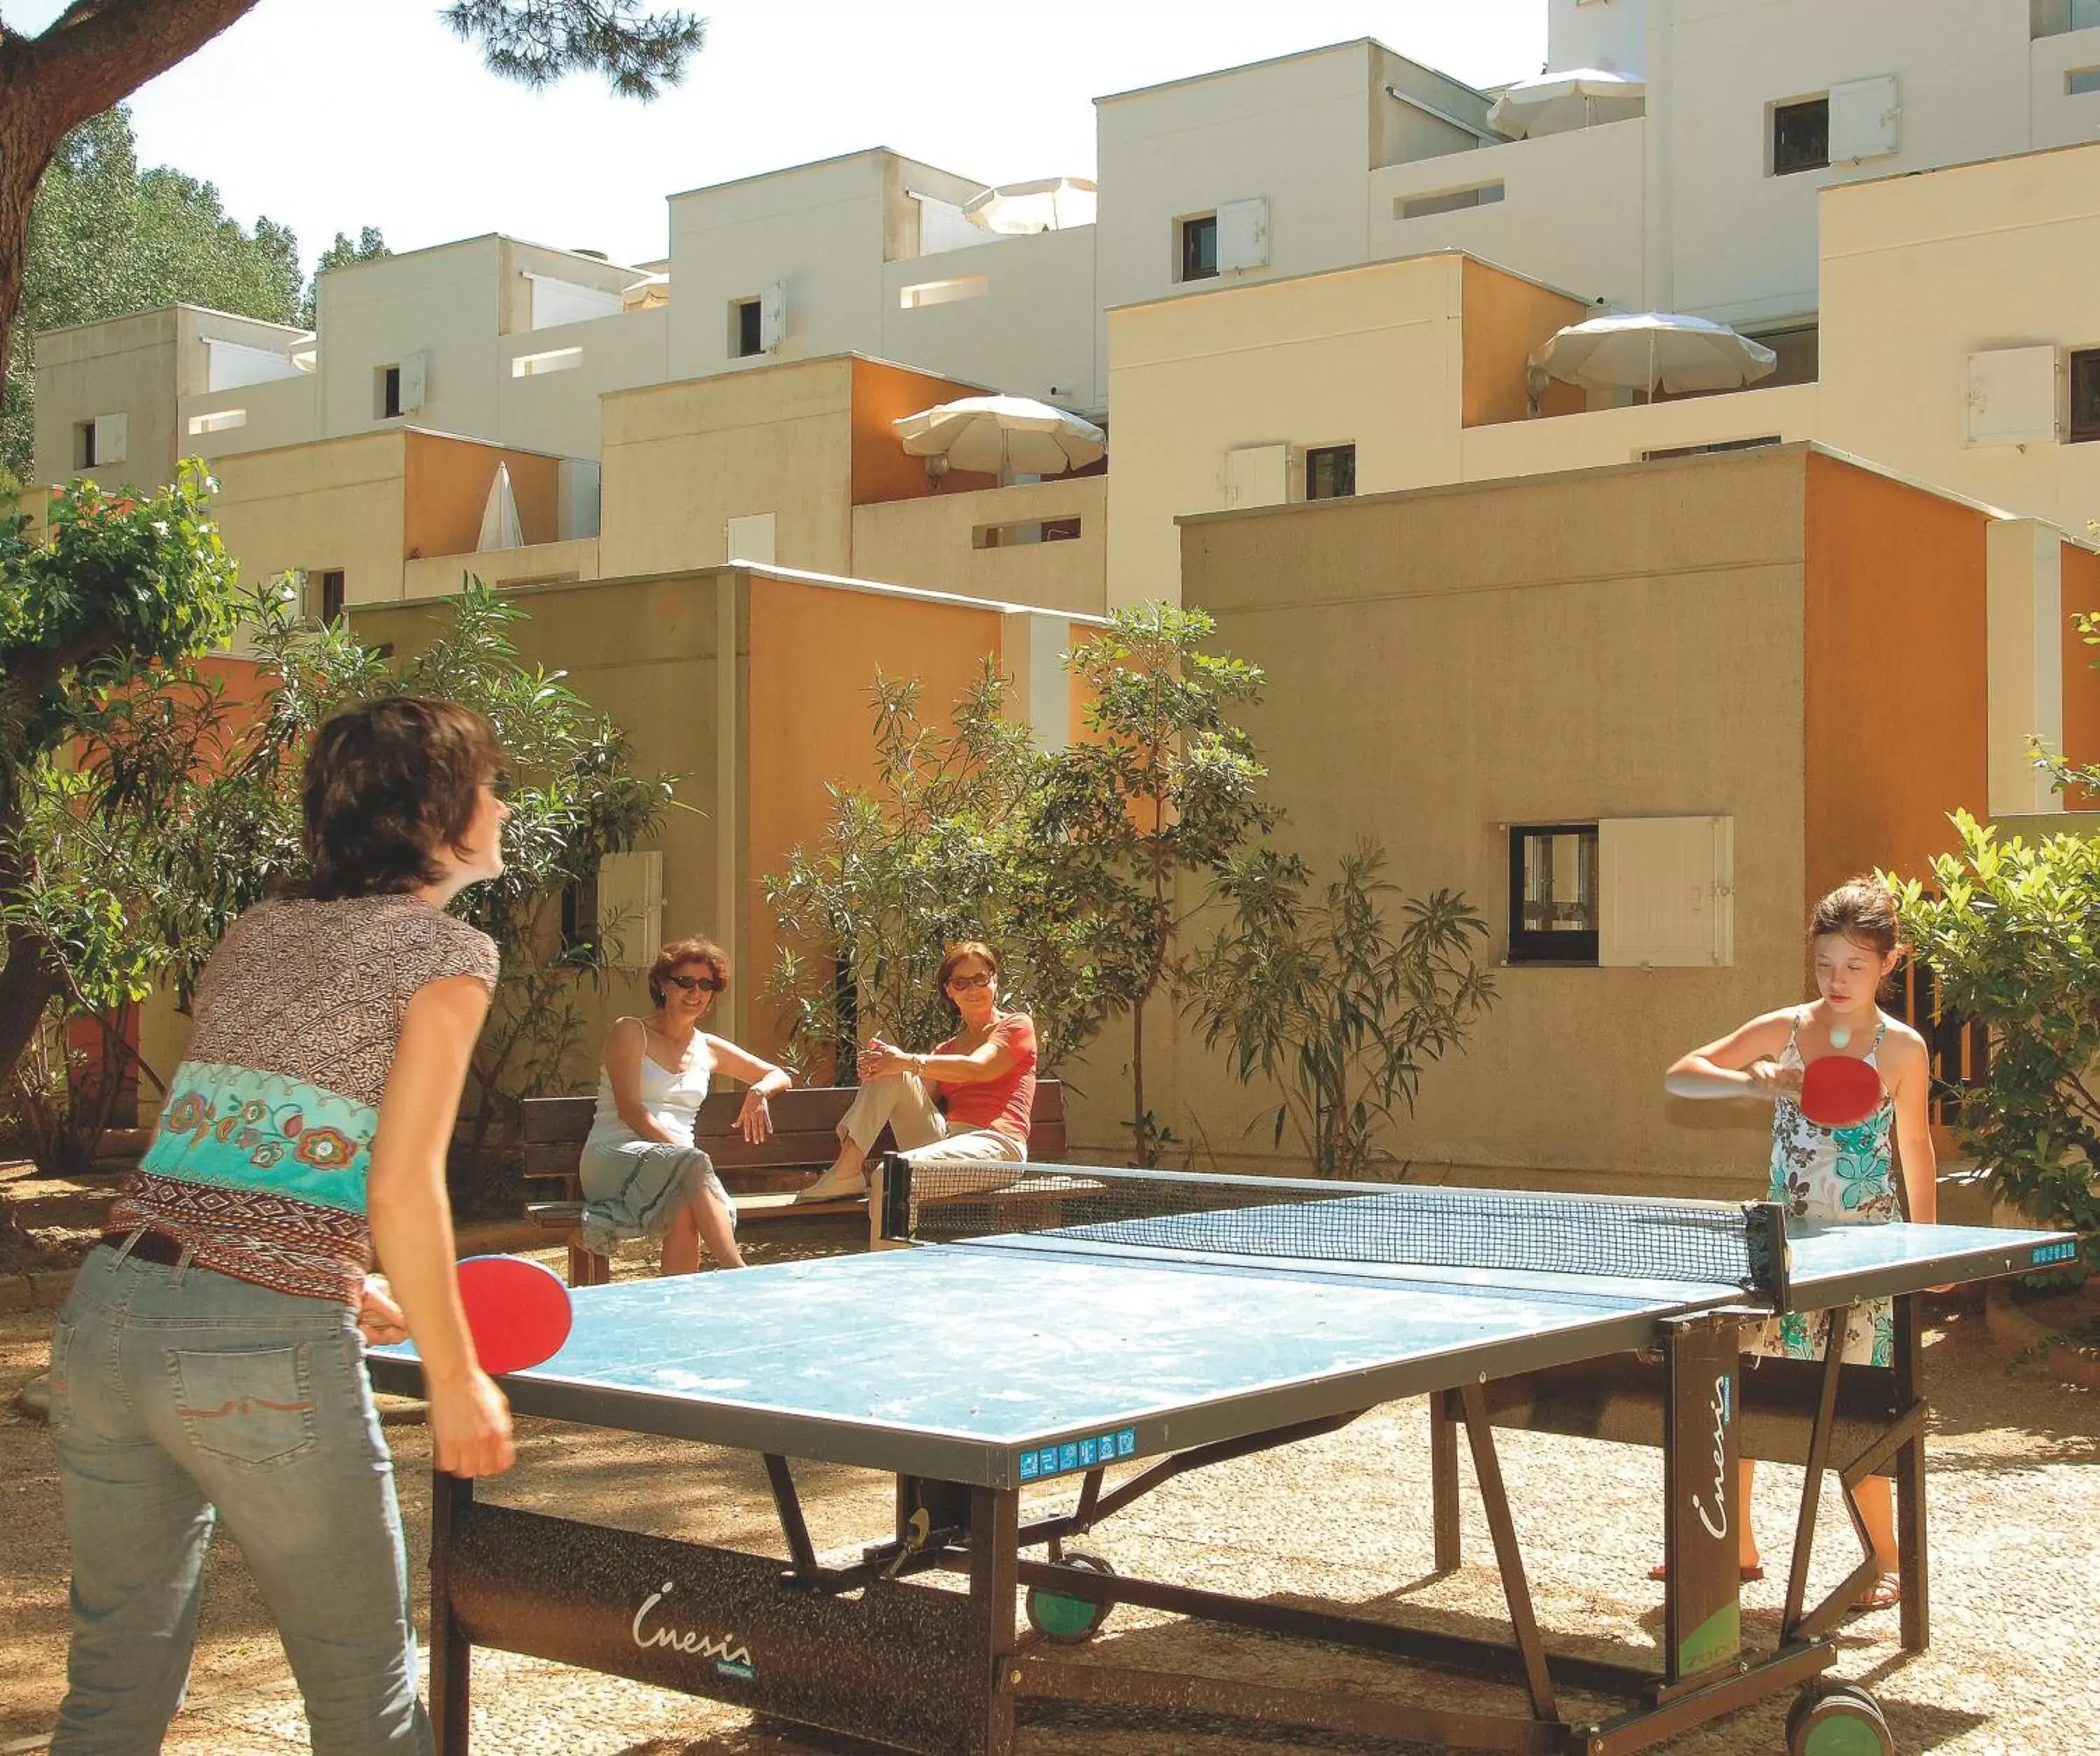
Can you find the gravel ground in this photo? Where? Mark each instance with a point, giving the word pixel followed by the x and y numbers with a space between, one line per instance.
pixel 2016 1577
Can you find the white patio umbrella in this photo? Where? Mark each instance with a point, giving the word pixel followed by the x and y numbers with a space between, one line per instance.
pixel 1549 104
pixel 499 527
pixel 1640 351
pixel 1002 435
pixel 1049 203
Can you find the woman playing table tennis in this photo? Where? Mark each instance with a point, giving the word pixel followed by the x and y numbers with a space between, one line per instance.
pixel 207 1363
pixel 641 1172
pixel 1836 1170
pixel 985 1074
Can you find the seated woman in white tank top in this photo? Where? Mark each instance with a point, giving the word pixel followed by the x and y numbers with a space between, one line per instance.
pixel 643 1174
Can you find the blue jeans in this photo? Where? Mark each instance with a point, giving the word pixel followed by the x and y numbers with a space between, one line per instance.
pixel 180 1398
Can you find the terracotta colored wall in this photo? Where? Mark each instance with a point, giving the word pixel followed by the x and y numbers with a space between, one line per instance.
pixel 2081 680
pixel 882 394
pixel 1505 319
pixel 447 482
pixel 1894 672
pixel 814 653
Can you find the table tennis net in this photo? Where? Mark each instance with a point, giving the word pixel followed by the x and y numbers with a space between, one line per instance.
pixel 1708 1243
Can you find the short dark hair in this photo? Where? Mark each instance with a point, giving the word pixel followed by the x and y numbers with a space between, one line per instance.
pixel 388 784
pixel 686 951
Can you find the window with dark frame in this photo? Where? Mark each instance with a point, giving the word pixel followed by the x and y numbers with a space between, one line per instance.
pixel 1801 136
pixel 2084 396
pixel 390 392
pixel 579 927
pixel 1330 472
pixel 1199 248
pixel 748 328
pixel 85 446
pixel 331 594
pixel 1553 893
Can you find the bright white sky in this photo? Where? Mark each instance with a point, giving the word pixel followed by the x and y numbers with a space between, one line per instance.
pixel 328 115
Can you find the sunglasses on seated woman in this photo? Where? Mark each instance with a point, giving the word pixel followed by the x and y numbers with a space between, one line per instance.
pixel 963 984
pixel 697 984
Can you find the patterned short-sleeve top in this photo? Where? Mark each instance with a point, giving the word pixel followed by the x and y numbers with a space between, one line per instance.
pixel 259 1163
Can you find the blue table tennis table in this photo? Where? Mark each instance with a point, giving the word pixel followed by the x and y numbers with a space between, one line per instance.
pixel 1078 1336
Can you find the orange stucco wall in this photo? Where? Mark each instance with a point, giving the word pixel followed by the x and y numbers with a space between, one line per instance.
pixel 2082 680
pixel 814 654
pixel 881 470
pixel 446 490
pixel 1506 319
pixel 1893 673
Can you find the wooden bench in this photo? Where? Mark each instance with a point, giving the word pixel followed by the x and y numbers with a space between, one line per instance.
pixel 762 1180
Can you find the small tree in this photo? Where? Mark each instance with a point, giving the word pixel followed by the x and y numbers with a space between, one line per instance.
pixel 2013 939
pixel 936 849
pixel 1163 784
pixel 1322 999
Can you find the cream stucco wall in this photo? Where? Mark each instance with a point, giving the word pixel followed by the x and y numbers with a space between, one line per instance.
pixel 1624 435
pixel 681 460
pixel 1918 273
pixel 1031 332
pixel 282 412
pixel 1445 662
pixel 929 543
pixel 340 503
pixel 558 411
pixel 535 564
pixel 2060 116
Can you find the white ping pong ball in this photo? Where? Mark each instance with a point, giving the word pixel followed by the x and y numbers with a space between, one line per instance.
pixel 1839 1036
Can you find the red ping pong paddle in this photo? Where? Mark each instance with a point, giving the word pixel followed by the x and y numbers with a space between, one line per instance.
pixel 1839 1090
pixel 516 1311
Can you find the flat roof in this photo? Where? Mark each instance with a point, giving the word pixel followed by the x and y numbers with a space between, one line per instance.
pixel 1278 60
pixel 1208 288
pixel 818 164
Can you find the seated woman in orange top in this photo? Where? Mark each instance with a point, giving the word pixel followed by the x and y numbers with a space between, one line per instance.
pixel 984 1075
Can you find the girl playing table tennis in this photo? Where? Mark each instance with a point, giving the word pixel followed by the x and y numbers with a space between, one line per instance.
pixel 206 1365
pixel 1835 1174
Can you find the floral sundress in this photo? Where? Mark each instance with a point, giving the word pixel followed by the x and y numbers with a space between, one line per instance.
pixel 1833 1176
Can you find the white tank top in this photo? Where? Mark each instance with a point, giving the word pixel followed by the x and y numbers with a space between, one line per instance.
pixel 672 1099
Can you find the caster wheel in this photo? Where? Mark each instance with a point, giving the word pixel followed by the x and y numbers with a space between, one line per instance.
pixel 1058 1616
pixel 1837 1719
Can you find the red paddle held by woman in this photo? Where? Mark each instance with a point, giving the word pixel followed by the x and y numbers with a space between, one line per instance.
pixel 516 1311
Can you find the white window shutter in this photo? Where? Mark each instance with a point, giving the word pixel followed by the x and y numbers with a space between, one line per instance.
pixel 1258 476
pixel 630 907
pixel 751 538
pixel 772 317
pixel 112 438
pixel 415 381
pixel 1666 892
pixel 2009 397
pixel 1866 120
pixel 1243 233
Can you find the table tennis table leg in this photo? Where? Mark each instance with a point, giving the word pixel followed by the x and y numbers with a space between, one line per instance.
pixel 1909 1362
pixel 1443 1481
pixel 995 1579
pixel 451 1652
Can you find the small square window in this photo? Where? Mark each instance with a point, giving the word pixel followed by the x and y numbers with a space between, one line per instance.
pixel 331 594
pixel 1801 136
pixel 2084 396
pixel 388 384
pixel 1553 893
pixel 1199 248
pixel 746 329
pixel 1330 472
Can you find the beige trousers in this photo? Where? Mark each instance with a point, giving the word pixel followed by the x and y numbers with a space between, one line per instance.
pixel 901 1101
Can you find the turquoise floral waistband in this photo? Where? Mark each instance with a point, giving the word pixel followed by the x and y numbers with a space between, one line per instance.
pixel 233 1128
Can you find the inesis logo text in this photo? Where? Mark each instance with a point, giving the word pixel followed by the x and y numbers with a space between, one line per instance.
pixel 731 1658
pixel 1716 1522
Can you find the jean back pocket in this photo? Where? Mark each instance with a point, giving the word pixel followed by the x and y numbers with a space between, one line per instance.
pixel 251 1408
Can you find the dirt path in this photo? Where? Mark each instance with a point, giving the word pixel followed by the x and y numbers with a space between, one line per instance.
pixel 2016 1577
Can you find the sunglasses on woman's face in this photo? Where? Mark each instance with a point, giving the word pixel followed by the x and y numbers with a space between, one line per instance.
pixel 963 984
pixel 697 984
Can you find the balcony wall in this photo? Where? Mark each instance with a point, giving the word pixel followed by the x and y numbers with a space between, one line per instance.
pixel 930 544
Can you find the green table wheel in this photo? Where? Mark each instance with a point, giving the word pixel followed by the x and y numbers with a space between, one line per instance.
pixel 1831 1718
pixel 1058 1615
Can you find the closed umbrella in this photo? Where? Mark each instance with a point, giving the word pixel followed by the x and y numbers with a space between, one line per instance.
pixel 1642 350
pixel 1002 435
pixel 500 526
pixel 1551 104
